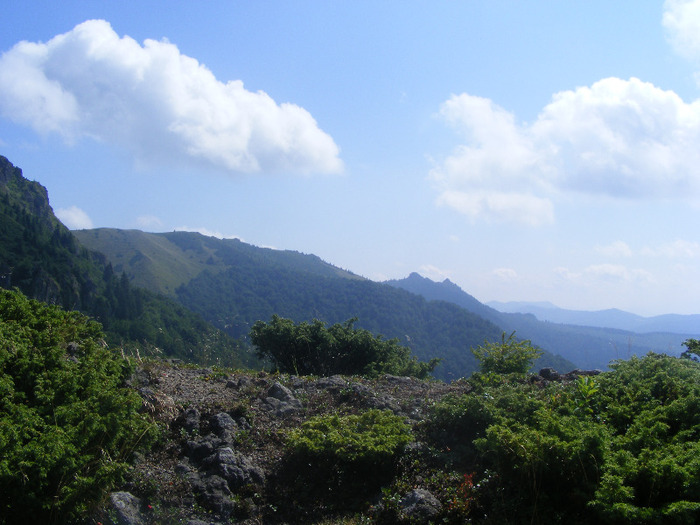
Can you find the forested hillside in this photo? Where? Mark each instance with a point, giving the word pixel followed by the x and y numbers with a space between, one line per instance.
pixel 234 284
pixel 42 258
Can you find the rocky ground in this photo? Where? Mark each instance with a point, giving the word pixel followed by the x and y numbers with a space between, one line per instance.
pixel 222 455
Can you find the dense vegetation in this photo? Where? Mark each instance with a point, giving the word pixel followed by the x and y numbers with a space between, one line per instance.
pixel 343 460
pixel 68 425
pixel 507 447
pixel 314 349
pixel 621 447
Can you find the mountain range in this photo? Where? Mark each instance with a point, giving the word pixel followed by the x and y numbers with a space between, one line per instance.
pixel 194 297
pixel 588 346
pixel 611 318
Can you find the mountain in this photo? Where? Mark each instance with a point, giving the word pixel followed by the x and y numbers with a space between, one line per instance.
pixel 42 258
pixel 587 346
pixel 185 295
pixel 234 284
pixel 612 318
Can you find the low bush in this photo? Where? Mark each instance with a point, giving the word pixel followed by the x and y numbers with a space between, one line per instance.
pixel 623 447
pixel 314 349
pixel 67 424
pixel 347 457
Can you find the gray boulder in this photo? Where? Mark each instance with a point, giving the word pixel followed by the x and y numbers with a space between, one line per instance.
pixel 281 400
pixel 127 509
pixel 419 506
pixel 213 493
pixel 237 469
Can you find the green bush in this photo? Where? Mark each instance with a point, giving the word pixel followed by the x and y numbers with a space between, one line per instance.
pixel 314 349
pixel 623 447
pixel 510 356
pixel 67 424
pixel 347 457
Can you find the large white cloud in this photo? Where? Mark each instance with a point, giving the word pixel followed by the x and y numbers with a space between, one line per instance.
pixel 157 103
pixel 619 138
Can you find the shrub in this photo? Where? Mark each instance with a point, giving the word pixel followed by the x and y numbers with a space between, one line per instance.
pixel 67 424
pixel 347 457
pixel 623 448
pixel 507 357
pixel 314 349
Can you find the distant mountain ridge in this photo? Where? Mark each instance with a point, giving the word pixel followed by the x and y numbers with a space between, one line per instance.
pixel 610 318
pixel 587 346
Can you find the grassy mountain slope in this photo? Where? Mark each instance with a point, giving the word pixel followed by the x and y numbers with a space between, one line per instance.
pixel 233 284
pixel 162 262
pixel 587 346
pixel 42 258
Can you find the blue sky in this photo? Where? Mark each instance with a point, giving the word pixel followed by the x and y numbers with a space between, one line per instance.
pixel 541 151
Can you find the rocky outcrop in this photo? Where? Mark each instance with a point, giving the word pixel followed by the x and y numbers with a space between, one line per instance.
pixel 419 506
pixel 124 509
pixel 549 374
pixel 224 460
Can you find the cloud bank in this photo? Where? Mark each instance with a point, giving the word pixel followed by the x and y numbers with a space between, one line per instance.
pixel 160 105
pixel 616 138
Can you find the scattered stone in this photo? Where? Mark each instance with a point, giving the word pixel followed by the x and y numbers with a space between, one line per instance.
pixel 419 506
pixel 281 392
pixel 331 382
pixel 190 420
pixel 222 423
pixel 127 509
pixel 158 404
pixel 198 449
pixel 398 380
pixel 235 468
pixel 281 400
pixel 213 493
pixel 550 374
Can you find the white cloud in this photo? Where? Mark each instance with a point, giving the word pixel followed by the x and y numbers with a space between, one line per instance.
pixel 74 218
pixel 434 273
pixel 505 274
pixel 495 173
pixel 618 272
pixel 162 106
pixel 207 232
pixel 681 19
pixel 617 138
pixel 615 249
pixel 597 274
pixel 675 250
pixel 149 221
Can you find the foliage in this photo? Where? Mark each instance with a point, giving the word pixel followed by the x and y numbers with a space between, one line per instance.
pixel 67 425
pixel 622 447
pixel 314 349
pixel 348 455
pixel 510 356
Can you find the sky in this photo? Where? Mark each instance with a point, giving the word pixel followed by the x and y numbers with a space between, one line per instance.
pixel 527 151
